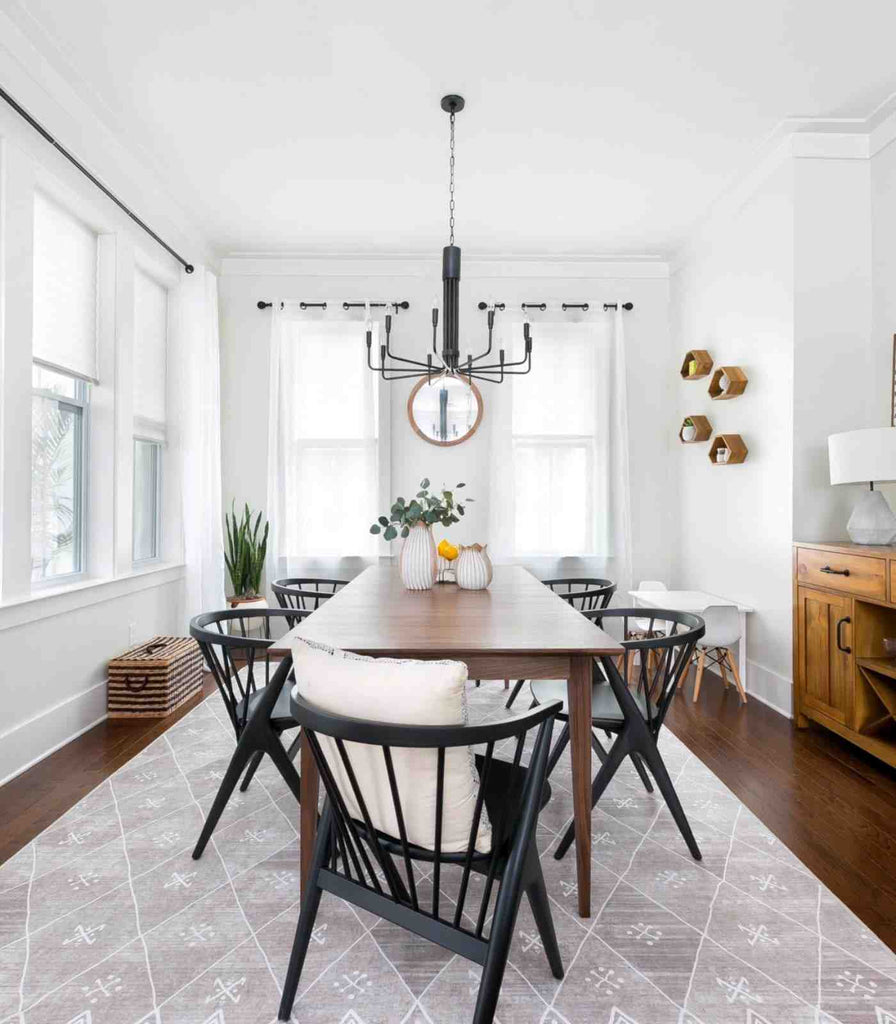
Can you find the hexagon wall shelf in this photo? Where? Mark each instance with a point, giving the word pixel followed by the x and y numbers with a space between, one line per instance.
pixel 702 427
pixel 737 383
pixel 703 361
pixel 734 443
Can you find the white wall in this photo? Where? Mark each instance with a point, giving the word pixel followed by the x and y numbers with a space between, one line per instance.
pixel 245 368
pixel 54 647
pixel 733 296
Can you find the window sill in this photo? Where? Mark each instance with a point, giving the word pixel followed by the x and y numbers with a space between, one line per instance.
pixel 46 602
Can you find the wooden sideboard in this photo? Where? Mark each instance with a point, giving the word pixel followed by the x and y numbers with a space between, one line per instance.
pixel 844 604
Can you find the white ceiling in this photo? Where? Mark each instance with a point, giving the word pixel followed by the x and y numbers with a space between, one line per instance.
pixel 590 128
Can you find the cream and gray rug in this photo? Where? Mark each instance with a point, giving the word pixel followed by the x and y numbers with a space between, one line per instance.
pixel 106 919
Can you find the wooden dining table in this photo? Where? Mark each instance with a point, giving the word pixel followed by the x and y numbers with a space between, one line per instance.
pixel 516 629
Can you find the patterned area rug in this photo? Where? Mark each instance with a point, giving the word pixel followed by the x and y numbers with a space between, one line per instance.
pixel 106 919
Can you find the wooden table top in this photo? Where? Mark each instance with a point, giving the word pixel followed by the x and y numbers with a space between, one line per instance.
pixel 517 615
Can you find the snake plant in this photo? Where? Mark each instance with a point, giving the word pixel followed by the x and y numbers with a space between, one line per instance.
pixel 245 551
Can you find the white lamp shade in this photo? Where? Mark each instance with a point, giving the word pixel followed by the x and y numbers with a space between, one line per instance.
pixel 863 456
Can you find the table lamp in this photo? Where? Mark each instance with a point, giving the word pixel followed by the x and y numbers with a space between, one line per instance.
pixel 866 456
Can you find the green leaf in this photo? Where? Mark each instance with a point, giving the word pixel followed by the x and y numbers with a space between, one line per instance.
pixel 460 509
pixel 391 533
pixel 424 482
pixel 459 485
pixel 383 521
pixel 375 528
pixel 405 531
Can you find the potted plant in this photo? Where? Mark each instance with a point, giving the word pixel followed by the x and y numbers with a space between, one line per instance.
pixel 414 521
pixel 247 546
pixel 688 430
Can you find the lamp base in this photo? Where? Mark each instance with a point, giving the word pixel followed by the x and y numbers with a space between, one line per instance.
pixel 872 520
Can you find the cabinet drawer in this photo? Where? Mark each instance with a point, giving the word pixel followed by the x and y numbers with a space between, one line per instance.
pixel 851 574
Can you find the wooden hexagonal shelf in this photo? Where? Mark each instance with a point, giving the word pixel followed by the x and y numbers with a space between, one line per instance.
pixel 702 364
pixel 737 383
pixel 735 445
pixel 702 428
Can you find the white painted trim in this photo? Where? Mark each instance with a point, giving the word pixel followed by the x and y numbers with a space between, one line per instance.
pixel 770 704
pixel 755 667
pixel 44 605
pixel 63 742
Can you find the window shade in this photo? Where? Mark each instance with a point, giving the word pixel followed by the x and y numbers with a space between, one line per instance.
pixel 65 273
pixel 150 354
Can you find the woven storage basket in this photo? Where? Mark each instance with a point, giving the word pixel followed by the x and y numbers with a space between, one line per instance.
pixel 151 680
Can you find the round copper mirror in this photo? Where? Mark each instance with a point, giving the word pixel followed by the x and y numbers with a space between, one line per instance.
pixel 446 410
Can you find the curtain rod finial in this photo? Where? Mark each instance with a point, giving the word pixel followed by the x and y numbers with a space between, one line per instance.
pixel 188 268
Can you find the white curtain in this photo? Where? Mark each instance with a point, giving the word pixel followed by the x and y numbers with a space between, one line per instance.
pixel 194 359
pixel 560 493
pixel 328 452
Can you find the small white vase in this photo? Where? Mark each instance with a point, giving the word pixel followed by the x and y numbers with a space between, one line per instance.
pixel 473 568
pixel 688 433
pixel 417 562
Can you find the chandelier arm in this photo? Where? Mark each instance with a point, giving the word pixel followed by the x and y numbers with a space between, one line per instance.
pixel 491 325
pixel 393 355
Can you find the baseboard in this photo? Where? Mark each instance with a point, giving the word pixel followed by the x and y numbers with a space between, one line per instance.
pixel 768 687
pixel 50 730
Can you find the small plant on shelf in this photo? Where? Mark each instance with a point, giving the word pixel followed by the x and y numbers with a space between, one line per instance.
pixel 425 509
pixel 247 546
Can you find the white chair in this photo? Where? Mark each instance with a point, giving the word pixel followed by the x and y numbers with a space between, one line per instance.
pixel 722 632
pixel 641 628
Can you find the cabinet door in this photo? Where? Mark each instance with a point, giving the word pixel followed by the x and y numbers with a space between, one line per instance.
pixel 826 665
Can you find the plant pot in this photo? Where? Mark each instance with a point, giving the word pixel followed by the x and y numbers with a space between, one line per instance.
pixel 688 433
pixel 417 562
pixel 722 455
pixel 473 568
pixel 246 604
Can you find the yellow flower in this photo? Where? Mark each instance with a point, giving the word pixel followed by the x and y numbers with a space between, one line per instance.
pixel 447 550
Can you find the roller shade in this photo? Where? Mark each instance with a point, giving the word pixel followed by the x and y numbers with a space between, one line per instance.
pixel 150 355
pixel 65 275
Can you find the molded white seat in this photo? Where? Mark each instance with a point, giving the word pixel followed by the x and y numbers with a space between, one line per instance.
pixel 722 632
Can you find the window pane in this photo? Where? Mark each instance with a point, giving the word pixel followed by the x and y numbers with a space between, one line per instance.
pixel 553 507
pixel 58 383
pixel 150 348
pixel 55 488
pixel 147 463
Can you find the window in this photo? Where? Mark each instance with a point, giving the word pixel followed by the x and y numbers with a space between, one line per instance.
pixel 58 477
pixel 147 498
pixel 150 407
pixel 65 364
pixel 325 480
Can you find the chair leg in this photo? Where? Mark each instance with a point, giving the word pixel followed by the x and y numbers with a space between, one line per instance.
pixel 310 903
pixel 284 765
pixel 506 684
pixel 721 664
pixel 541 911
pixel 500 938
pixel 736 673
pixel 615 756
pixel 559 747
pixel 244 752
pixel 251 770
pixel 658 767
pixel 515 692
pixel 295 746
pixel 701 661
pixel 638 762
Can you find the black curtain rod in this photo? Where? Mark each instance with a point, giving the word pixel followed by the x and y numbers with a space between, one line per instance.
pixel 564 306
pixel 404 304
pixel 39 128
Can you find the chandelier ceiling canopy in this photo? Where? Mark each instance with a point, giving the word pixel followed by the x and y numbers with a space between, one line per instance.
pixel 448 361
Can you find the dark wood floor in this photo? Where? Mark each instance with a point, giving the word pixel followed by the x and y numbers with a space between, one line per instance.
pixel 832 804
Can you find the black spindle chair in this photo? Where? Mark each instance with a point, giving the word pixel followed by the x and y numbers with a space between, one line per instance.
pixel 362 865
pixel 236 644
pixel 305 593
pixel 584 595
pixel 633 707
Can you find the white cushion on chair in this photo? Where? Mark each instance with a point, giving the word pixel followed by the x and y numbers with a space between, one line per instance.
pixel 402 692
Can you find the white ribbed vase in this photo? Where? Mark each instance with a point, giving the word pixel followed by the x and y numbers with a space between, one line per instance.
pixel 417 562
pixel 473 568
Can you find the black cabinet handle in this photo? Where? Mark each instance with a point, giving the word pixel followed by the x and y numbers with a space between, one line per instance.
pixel 834 572
pixel 840 647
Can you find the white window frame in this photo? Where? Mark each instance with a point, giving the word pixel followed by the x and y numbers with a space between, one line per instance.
pixel 157 512
pixel 81 404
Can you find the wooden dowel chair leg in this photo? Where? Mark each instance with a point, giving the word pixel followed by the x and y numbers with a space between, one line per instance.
pixel 701 661
pixel 736 674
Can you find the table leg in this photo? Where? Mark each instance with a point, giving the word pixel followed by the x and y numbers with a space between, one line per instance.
pixel 742 650
pixel 579 699
pixel 308 814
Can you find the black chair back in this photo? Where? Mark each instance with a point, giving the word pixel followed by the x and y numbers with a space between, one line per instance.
pixel 513 819
pixel 663 658
pixel 305 593
pixel 236 645
pixel 584 594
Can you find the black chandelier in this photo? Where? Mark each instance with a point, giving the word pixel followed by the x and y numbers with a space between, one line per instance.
pixel 473 368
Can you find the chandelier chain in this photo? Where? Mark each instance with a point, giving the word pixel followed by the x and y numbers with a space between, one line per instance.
pixel 451 185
